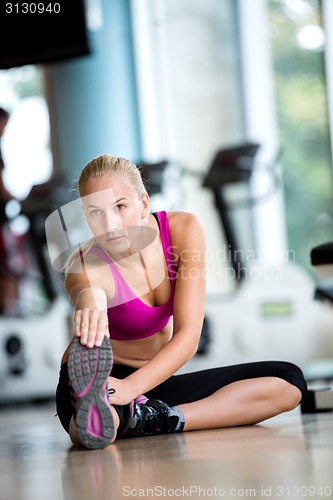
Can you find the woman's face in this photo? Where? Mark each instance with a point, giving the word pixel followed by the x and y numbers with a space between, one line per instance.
pixel 113 211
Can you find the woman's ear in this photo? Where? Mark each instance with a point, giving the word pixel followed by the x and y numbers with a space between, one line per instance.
pixel 145 205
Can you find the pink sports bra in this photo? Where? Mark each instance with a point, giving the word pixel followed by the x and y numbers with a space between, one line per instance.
pixel 129 317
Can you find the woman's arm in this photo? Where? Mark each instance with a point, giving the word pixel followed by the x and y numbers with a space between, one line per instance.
pixel 90 302
pixel 189 246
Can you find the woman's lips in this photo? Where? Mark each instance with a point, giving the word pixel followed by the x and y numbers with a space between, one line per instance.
pixel 114 238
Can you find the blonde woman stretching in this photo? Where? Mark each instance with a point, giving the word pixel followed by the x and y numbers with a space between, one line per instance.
pixel 138 290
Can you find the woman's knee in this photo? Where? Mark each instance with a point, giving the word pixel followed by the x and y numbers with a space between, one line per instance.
pixel 287 394
pixel 293 375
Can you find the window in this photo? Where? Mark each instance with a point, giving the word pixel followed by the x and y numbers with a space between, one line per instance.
pixel 28 161
pixel 189 88
pixel 298 45
pixel 26 140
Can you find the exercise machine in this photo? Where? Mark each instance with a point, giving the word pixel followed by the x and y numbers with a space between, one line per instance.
pixel 32 342
pixel 320 376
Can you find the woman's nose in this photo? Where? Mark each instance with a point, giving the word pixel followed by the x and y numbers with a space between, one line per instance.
pixel 112 222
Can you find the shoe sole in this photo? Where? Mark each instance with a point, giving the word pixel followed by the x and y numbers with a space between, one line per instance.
pixel 88 370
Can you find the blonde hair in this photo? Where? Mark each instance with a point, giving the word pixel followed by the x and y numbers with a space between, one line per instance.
pixel 107 164
pixel 99 166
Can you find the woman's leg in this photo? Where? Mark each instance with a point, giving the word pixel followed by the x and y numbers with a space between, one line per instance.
pixel 234 395
pixel 241 403
pixel 221 397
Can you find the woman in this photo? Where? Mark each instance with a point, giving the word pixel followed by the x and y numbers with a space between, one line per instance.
pixel 139 285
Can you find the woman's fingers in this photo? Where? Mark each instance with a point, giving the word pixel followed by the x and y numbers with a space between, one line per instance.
pixel 91 326
pixel 90 333
pixel 77 323
pixel 102 329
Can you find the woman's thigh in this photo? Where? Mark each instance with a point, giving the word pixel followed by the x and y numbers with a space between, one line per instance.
pixel 189 387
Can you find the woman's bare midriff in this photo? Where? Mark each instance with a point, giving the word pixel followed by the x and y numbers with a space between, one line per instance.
pixel 125 352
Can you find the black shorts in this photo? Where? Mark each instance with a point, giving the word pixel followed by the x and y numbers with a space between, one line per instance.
pixel 190 387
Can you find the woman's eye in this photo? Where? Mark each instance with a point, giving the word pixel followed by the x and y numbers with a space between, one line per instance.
pixel 94 213
pixel 120 207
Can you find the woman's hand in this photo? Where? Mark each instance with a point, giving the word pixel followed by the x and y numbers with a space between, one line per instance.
pixel 120 391
pixel 91 326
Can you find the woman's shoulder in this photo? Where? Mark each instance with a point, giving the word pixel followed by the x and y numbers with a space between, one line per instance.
pixel 88 259
pixel 188 218
pixel 184 226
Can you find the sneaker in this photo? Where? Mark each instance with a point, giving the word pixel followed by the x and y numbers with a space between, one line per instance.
pixel 152 418
pixel 88 371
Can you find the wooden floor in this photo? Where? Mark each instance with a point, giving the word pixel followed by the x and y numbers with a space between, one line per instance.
pixel 290 456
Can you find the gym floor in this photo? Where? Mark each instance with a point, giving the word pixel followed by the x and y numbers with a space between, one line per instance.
pixel 289 456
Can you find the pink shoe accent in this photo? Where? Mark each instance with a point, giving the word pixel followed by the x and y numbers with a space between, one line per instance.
pixel 141 400
pixel 95 425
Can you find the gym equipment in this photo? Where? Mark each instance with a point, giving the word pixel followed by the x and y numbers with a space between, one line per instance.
pixel 320 387
pixel 318 400
pixel 271 313
pixel 31 344
pixel 322 259
pixel 30 354
pixel 230 166
pixel 152 174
